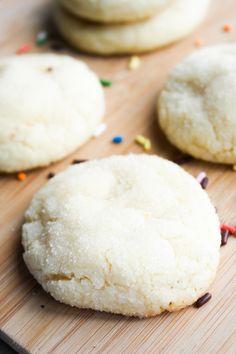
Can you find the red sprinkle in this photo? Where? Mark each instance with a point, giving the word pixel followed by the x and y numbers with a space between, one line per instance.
pixel 24 48
pixel 231 229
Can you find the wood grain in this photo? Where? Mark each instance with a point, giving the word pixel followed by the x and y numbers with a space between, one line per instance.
pixel 57 328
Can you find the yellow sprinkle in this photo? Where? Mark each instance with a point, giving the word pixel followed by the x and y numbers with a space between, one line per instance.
pixel 144 142
pixel 234 168
pixel 134 62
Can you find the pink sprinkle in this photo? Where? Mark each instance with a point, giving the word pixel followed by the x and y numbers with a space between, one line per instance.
pixel 24 48
pixel 201 177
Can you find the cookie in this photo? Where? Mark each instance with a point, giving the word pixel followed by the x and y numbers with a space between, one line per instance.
pixel 197 109
pixel 113 11
pixel 175 22
pixel 49 106
pixel 123 234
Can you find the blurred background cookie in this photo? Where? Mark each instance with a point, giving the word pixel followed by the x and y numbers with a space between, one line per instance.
pixel 112 11
pixel 49 106
pixel 197 106
pixel 170 24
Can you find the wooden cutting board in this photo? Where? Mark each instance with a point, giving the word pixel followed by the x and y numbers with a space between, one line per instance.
pixel 30 320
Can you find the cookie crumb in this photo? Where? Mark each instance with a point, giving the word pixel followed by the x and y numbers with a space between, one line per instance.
pixel 203 300
pixel 134 63
pixel 227 27
pixel 49 69
pixel 21 176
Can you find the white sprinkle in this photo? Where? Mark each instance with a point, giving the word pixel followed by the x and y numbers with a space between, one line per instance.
pixel 201 177
pixel 42 35
pixel 100 129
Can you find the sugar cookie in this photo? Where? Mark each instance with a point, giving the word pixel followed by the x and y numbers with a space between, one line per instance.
pixel 197 108
pixel 49 106
pixel 112 11
pixel 175 22
pixel 132 234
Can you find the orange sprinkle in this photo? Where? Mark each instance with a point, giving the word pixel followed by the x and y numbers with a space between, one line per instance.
pixel 198 43
pixel 227 27
pixel 21 176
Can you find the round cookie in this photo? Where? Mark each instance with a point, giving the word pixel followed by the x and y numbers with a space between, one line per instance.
pixel 123 234
pixel 49 106
pixel 197 108
pixel 113 11
pixel 175 22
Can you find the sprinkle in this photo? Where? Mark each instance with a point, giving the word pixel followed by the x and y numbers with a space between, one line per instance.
pixel 21 176
pixel 144 142
pixel 118 139
pixel 198 43
pixel 203 300
pixel 231 229
pixel 41 38
pixel 51 175
pixel 227 27
pixel 100 129
pixel 105 82
pixel 24 48
pixel 134 62
pixel 224 237
pixel 202 179
pixel 77 161
pixel 182 159
pixel 234 168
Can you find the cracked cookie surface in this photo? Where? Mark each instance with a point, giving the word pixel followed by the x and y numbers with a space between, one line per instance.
pixel 49 106
pixel 132 234
pixel 197 108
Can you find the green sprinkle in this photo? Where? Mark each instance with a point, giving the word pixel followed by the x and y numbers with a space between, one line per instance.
pixel 105 82
pixel 41 38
